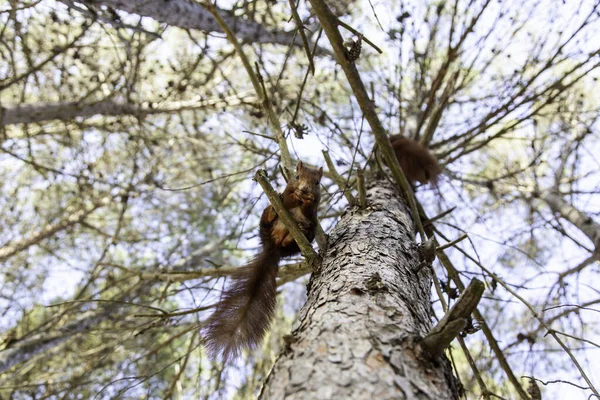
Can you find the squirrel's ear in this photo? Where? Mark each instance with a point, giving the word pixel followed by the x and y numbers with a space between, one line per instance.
pixel 320 172
pixel 299 166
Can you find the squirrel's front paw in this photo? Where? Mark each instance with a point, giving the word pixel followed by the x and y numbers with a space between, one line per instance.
pixel 308 198
pixel 298 196
pixel 304 227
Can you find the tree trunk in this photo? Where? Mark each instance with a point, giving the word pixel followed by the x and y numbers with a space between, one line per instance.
pixel 365 307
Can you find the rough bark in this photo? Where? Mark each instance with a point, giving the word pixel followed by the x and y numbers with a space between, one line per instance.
pixel 366 308
pixel 192 15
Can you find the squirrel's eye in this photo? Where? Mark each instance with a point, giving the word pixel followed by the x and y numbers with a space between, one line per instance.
pixel 297 177
pixel 317 183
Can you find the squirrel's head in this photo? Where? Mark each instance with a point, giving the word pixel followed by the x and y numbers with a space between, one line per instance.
pixel 308 178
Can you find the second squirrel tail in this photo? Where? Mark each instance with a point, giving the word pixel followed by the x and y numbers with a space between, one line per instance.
pixel 246 309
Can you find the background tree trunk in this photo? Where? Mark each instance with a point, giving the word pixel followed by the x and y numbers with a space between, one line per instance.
pixel 365 304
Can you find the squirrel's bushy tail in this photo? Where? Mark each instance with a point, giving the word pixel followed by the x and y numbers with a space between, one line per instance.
pixel 246 309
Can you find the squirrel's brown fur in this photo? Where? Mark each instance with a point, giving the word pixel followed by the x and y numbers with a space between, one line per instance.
pixel 247 307
pixel 415 160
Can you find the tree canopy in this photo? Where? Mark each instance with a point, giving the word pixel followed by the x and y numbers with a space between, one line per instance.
pixel 130 132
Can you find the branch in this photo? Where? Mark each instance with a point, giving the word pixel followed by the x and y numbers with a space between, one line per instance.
pixel 537 316
pixel 292 226
pixel 583 222
pixel 454 275
pixel 289 271
pixel 188 14
pixel 40 65
pixel 12 248
pixel 357 33
pixel 440 337
pixel 305 44
pixel 258 87
pixel 337 178
pixel 39 112
pixel 362 194
pixel 452 243
pixel 31 344
pixel 588 261
pixel 330 25
pixel 441 215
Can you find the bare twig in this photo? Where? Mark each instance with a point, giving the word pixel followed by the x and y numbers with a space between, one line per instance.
pixel 555 381
pixel 272 116
pixel 441 215
pixel 362 194
pixel 300 26
pixel 550 331
pixel 351 29
pixel 454 275
pixel 19 245
pixel 337 178
pixel 330 22
pixel 452 243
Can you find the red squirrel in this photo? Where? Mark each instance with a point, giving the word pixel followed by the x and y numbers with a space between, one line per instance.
pixel 247 307
pixel 417 163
